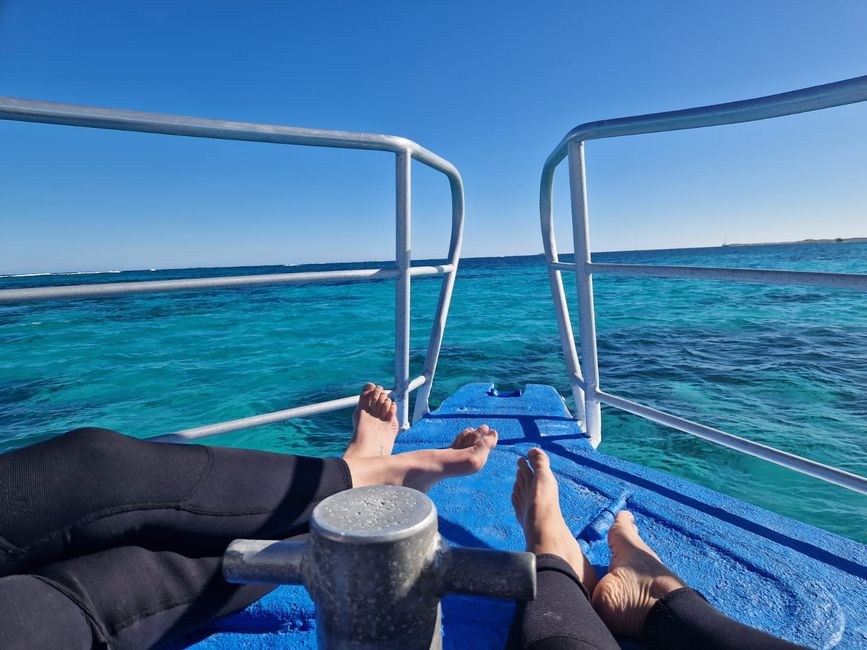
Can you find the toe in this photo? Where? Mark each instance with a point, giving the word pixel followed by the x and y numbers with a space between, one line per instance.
pixel 373 396
pixel 364 397
pixel 465 438
pixel 618 527
pixel 387 404
pixel 623 527
pixel 518 485
pixel 624 538
pixel 539 460
pixel 380 408
pixel 480 445
pixel 392 412
pixel 524 471
pixel 625 517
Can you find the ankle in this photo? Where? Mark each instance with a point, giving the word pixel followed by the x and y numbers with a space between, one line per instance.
pixel 567 549
pixel 384 470
pixel 663 585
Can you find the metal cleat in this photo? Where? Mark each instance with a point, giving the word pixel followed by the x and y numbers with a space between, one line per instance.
pixel 376 567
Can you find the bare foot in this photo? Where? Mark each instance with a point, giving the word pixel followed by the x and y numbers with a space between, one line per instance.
pixel 636 580
pixel 374 424
pixel 535 497
pixel 421 469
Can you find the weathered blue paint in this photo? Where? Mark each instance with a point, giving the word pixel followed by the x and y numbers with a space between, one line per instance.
pixel 788 578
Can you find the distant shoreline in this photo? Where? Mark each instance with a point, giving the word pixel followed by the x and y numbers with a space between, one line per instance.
pixel 836 240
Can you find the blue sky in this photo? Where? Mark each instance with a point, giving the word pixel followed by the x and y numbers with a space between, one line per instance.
pixel 490 86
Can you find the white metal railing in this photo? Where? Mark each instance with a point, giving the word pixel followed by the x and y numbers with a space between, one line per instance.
pixel 585 385
pixel 405 151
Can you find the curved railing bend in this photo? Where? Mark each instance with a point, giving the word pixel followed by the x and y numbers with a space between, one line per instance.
pixel 25 110
pixel 584 376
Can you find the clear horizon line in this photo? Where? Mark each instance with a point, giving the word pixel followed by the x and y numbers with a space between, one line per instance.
pixel 476 257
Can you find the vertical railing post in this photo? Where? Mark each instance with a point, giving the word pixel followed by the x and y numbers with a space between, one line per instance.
pixel 567 340
pixel 561 309
pixel 422 397
pixel 584 280
pixel 403 181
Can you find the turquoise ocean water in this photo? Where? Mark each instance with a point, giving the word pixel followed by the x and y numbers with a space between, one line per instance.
pixel 783 366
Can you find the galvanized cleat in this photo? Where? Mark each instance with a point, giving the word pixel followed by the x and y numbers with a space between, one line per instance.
pixel 376 567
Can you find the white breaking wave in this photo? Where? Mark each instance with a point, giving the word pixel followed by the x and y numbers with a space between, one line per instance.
pixel 25 275
pixel 36 275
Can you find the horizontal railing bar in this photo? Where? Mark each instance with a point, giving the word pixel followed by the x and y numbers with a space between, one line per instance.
pixel 838 93
pixel 8 296
pixel 791 461
pixel 30 110
pixel 760 276
pixel 308 410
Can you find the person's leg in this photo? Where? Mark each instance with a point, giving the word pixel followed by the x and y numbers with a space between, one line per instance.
pixel 642 599
pixel 93 489
pixel 560 618
pixel 125 597
pixel 34 615
pixel 129 595
pixel 132 594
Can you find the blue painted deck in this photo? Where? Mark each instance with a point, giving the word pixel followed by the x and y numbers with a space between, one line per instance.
pixel 788 578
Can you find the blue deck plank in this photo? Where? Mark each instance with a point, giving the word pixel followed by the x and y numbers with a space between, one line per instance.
pixel 791 579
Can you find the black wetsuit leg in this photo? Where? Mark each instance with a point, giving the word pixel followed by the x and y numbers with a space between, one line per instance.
pixel 109 541
pixel 93 489
pixel 124 598
pixel 35 615
pixel 683 619
pixel 561 617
